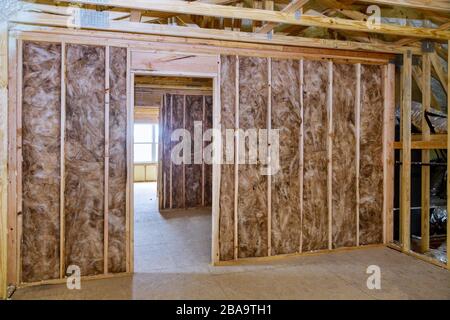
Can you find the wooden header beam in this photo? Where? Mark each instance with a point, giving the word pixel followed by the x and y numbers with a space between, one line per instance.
pixel 212 10
pixel 43 19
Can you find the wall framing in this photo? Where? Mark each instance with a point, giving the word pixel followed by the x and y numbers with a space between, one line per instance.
pixel 14 160
pixel 135 45
pixel 4 157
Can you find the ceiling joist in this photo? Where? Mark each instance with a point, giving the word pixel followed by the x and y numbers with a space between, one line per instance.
pixel 434 5
pixel 43 19
pixel 206 9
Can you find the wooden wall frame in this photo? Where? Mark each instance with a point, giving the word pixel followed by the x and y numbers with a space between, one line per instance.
pixel 140 50
pixel 14 217
pixel 3 157
pixel 184 64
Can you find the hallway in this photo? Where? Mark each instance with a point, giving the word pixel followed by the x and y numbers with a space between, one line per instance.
pixel 174 241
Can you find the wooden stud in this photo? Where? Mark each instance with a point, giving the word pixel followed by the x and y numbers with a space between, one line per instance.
pixel 106 165
pixel 389 136
pixel 160 183
pixel 12 260
pixel 301 150
pixel 405 196
pixel 131 168
pixel 184 155
pixel 62 220
pixel 269 148
pixel 236 163
pixel 130 174
pixel 3 158
pixel 358 143
pixel 388 151
pixel 216 167
pixel 330 153
pixel 425 185
pixel 19 158
pixel 203 158
pixel 170 161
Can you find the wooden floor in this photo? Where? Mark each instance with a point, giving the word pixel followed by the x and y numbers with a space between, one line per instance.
pixel 172 255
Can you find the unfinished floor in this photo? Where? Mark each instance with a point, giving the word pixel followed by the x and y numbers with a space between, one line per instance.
pixel 172 255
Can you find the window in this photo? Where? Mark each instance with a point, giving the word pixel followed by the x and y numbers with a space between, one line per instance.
pixel 145 143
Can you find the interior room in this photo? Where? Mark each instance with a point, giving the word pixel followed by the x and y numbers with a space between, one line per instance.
pixel 172 203
pixel 224 149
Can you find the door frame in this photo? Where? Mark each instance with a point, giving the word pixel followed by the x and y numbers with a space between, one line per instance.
pixel 170 64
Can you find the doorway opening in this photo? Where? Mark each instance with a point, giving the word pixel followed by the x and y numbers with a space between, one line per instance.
pixel 172 221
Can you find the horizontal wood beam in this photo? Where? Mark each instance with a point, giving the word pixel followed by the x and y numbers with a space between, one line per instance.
pixel 174 87
pixel 437 141
pixel 205 9
pixel 41 19
pixel 433 5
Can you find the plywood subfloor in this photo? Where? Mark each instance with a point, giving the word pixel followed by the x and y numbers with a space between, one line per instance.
pixel 172 262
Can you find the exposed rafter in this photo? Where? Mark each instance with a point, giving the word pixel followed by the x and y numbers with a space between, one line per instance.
pixel 437 5
pixel 182 7
pixel 31 18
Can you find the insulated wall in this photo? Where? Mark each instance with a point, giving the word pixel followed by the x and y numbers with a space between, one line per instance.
pixel 327 191
pixel 74 168
pixel 186 183
pixel 41 129
pixel 84 158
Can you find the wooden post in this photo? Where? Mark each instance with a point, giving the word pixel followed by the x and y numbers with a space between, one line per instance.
pixel 184 155
pixel 216 170
pixel 330 154
pixel 12 164
pixel 160 183
pixel 425 200
pixel 170 149
pixel 18 150
pixel 62 165
pixel 301 147
pixel 389 136
pixel 357 140
pixel 130 167
pixel 106 164
pixel 405 196
pixel 3 157
pixel 203 147
pixel 268 155
pixel 236 161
